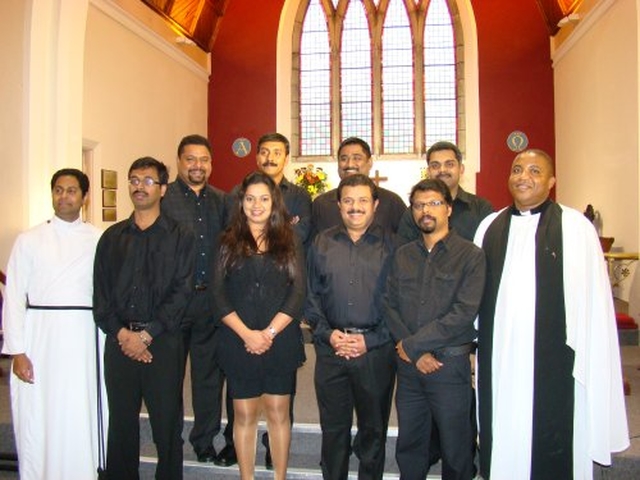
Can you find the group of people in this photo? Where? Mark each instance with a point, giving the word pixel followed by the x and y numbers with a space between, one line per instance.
pixel 395 297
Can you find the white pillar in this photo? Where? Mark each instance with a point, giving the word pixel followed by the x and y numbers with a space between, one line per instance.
pixel 55 34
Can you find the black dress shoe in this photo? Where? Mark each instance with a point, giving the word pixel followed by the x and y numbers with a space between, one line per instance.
pixel 268 463
pixel 207 455
pixel 227 457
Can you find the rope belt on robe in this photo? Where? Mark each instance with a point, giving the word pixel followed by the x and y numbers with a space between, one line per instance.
pixel 57 307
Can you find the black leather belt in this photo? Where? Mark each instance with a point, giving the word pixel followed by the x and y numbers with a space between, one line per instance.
pixel 456 351
pixel 200 287
pixel 137 326
pixel 355 330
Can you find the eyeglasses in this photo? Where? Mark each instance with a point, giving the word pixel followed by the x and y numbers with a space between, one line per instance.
pixel 146 181
pixel 419 206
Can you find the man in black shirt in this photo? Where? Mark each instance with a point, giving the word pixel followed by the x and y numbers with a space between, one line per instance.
pixel 199 207
pixel 271 158
pixel 142 284
pixel 354 354
pixel 354 156
pixel 444 161
pixel 432 296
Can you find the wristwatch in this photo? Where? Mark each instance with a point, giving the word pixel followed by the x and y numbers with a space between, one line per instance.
pixel 272 331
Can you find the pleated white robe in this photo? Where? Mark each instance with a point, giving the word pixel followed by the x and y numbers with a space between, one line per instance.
pixel 600 423
pixel 55 418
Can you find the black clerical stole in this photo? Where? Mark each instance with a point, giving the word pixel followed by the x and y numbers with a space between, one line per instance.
pixel 553 392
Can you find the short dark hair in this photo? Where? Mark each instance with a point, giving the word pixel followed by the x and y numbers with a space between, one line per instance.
pixel 355 141
pixel 82 178
pixel 432 185
pixel 355 180
pixel 150 162
pixel 540 153
pixel 194 139
pixel 274 137
pixel 443 145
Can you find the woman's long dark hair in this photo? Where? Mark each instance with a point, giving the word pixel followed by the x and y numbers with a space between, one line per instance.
pixel 237 242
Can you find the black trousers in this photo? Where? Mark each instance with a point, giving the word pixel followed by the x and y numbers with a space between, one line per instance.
pixel 207 379
pixel 366 385
pixel 157 383
pixel 444 399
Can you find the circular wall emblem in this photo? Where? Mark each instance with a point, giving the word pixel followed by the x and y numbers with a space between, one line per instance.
pixel 517 141
pixel 241 147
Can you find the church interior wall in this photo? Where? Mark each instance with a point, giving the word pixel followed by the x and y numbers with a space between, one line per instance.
pixel 13 196
pixel 131 83
pixel 515 90
pixel 242 91
pixel 131 92
pixel 596 104
pixel 140 99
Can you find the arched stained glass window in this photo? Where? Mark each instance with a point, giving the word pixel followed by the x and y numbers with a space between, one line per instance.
pixel 315 83
pixel 382 70
pixel 397 81
pixel 355 74
pixel 439 74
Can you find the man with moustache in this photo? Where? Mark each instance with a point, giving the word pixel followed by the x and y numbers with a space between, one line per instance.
pixel 431 299
pixel 354 156
pixel 444 162
pixel 354 354
pixel 549 383
pixel 48 332
pixel 199 207
pixel 271 158
pixel 143 282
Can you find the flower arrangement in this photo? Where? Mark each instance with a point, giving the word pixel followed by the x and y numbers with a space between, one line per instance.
pixel 312 179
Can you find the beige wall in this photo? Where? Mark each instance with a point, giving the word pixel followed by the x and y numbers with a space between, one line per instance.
pixel 140 97
pixel 120 90
pixel 12 198
pixel 597 120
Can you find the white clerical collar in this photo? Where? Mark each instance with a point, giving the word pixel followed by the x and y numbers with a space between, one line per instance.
pixel 63 223
pixel 533 211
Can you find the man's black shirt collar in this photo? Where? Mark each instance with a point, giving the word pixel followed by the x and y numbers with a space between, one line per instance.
pixel 186 189
pixel 374 230
pixel 161 222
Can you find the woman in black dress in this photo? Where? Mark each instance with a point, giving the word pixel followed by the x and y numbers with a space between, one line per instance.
pixel 259 289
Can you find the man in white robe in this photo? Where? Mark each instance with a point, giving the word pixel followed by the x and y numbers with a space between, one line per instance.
pixel 50 334
pixel 550 396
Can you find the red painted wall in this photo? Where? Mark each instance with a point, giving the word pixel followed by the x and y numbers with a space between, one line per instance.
pixel 242 89
pixel 516 86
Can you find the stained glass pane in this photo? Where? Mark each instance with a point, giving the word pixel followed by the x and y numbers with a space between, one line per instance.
pixel 355 74
pixel 397 81
pixel 439 75
pixel 315 91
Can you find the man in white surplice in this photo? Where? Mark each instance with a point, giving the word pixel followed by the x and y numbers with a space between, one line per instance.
pixel 550 399
pixel 50 334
